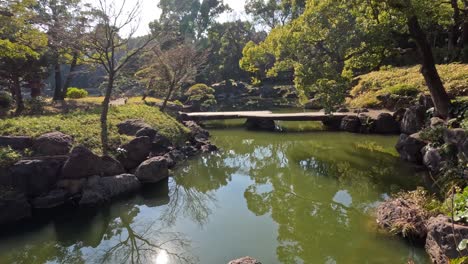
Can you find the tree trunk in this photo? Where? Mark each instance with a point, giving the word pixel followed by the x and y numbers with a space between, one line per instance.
pixel 105 111
pixel 58 83
pixel 429 70
pixel 70 74
pixel 18 95
pixel 168 96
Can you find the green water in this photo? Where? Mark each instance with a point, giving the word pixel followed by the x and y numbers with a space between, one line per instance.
pixel 280 197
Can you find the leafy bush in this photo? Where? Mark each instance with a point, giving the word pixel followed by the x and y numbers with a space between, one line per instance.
pixel 434 135
pixel 6 101
pixel 201 96
pixel 36 105
pixel 76 93
pixel 404 90
pixel 8 157
pixel 460 206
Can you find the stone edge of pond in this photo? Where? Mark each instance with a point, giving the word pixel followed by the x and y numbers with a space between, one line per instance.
pixel 58 174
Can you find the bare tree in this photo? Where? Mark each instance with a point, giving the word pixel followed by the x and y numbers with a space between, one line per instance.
pixel 111 48
pixel 172 68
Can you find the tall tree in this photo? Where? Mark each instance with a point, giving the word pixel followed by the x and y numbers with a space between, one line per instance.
pixel 171 69
pixel 22 46
pixel 63 22
pixel 110 47
pixel 273 13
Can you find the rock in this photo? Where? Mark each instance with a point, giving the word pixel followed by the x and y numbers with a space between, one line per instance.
pixel 13 206
pixel 16 143
pixel 101 190
pixel 443 238
pixel 245 260
pixel 409 148
pixel 351 124
pixel 399 114
pixel 161 145
pixel 332 122
pixel 463 148
pixel 403 216
pixel 313 104
pixel 436 122
pixel 173 157
pixel 131 126
pixel 455 136
pixel 53 144
pixel 433 159
pixel 208 148
pixel 53 199
pixel 72 187
pixel 153 170
pixel 136 151
pixel 386 124
pixel 34 177
pixel 189 150
pixel 197 133
pixel 367 123
pixel 413 120
pixel 260 124
pixel 83 163
pixel 426 101
pixel 146 132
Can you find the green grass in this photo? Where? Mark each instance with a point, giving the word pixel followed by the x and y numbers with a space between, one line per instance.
pixel 405 81
pixel 84 126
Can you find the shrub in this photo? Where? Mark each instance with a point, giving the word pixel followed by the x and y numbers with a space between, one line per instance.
pixel 36 105
pixel 404 90
pixel 201 96
pixel 76 93
pixel 8 157
pixel 6 101
pixel 460 206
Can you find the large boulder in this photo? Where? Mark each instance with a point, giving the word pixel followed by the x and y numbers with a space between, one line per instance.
pixel 410 148
pixel 260 124
pixel 53 144
pixel 404 217
pixel 433 159
pixel 455 136
pixel 135 152
pixel 99 190
pixel 34 177
pixel 197 133
pixel 53 199
pixel 153 170
pixel 386 124
pixel 16 143
pixel 351 124
pixel 83 163
pixel 146 132
pixel 413 120
pixel 245 260
pixel 131 126
pixel 13 206
pixel 443 238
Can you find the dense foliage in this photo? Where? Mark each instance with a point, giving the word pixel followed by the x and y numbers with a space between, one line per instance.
pixel 201 96
pixel 76 93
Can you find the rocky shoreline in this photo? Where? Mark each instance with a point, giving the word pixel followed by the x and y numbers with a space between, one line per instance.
pixel 57 174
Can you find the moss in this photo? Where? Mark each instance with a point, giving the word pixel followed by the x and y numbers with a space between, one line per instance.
pixel 84 126
pixel 8 157
pixel 404 80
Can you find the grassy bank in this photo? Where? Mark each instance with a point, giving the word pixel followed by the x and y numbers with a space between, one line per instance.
pixel 84 125
pixel 405 80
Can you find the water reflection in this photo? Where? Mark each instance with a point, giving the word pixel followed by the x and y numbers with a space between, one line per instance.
pixel 320 193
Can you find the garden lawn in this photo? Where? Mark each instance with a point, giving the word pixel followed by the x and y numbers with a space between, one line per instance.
pixel 369 86
pixel 84 126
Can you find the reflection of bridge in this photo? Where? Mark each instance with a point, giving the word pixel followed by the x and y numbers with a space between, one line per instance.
pixel 264 115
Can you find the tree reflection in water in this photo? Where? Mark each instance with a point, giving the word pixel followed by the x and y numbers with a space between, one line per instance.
pixel 319 193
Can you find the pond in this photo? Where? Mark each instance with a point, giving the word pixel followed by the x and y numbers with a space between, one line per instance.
pixel 296 197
